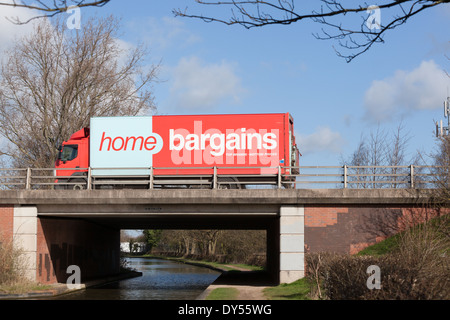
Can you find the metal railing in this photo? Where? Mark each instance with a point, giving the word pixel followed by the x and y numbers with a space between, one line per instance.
pixel 308 177
pixel 376 177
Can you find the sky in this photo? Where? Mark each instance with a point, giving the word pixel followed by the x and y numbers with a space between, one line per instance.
pixel 211 68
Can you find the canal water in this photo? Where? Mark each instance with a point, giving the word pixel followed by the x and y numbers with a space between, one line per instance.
pixel 160 280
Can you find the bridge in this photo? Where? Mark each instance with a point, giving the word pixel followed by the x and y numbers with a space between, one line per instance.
pixel 58 228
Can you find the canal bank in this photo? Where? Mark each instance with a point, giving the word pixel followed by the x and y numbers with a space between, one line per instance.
pixel 247 280
pixel 165 274
pixel 59 289
pixel 161 280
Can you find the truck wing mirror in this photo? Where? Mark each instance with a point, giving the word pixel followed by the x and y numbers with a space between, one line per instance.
pixel 59 153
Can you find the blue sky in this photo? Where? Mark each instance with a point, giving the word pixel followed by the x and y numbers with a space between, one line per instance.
pixel 213 68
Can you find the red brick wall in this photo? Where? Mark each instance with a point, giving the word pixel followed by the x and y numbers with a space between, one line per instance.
pixel 349 229
pixel 63 242
pixel 322 216
pixel 6 222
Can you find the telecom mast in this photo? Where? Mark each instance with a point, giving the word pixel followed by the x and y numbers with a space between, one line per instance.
pixel 442 131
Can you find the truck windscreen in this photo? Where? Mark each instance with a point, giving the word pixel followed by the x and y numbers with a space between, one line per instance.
pixel 69 152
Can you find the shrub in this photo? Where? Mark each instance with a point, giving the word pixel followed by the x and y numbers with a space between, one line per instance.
pixel 12 263
pixel 418 268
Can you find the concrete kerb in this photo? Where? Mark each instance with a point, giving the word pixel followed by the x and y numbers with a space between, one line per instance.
pixel 55 290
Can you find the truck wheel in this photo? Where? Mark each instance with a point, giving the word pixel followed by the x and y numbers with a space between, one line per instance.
pixel 227 183
pixel 80 184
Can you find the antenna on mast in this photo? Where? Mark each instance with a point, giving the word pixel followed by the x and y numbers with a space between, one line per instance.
pixel 439 127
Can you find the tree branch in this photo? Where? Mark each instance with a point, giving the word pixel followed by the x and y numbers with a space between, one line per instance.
pixel 332 14
pixel 50 8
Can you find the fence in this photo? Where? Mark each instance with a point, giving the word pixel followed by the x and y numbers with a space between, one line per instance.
pixel 304 177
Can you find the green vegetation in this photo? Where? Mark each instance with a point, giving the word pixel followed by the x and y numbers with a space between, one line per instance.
pixel 381 248
pixel 12 270
pixel 210 264
pixel 306 288
pixel 152 238
pixel 222 246
pixel 23 286
pixel 414 265
pixel 223 294
pixel 298 290
pixel 239 266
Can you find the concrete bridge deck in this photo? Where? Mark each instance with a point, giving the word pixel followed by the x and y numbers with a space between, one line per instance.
pixel 216 196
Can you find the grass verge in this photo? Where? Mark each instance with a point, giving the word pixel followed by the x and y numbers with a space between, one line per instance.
pixel 298 290
pixel 204 263
pixel 223 294
pixel 20 287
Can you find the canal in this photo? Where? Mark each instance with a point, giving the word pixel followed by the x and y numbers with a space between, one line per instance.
pixel 160 280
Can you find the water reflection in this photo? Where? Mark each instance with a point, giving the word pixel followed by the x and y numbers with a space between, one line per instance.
pixel 160 280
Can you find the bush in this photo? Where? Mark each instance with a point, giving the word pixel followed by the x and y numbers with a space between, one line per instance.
pixel 12 264
pixel 417 269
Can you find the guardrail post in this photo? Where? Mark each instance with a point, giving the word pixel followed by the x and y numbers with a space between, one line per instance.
pixel 28 179
pixel 151 178
pixel 411 176
pixel 345 176
pixel 89 182
pixel 215 178
pixel 279 177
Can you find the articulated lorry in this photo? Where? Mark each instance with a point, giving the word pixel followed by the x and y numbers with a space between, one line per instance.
pixel 195 151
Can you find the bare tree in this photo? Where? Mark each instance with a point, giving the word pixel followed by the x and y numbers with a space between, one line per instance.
pixel 359 158
pixel 381 160
pixel 368 156
pixel 441 194
pixel 356 27
pixel 442 165
pixel 54 80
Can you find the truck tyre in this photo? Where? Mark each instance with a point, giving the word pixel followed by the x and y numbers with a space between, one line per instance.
pixel 60 185
pixel 80 184
pixel 227 183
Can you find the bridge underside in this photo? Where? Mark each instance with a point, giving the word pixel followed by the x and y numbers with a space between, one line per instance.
pixel 166 216
pixel 60 228
pixel 187 216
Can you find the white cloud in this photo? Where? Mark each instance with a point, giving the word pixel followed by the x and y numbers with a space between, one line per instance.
pixel 163 34
pixel 125 49
pixel 10 31
pixel 199 86
pixel 420 89
pixel 324 139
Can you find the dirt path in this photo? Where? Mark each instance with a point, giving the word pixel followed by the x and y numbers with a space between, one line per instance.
pixel 250 293
pixel 237 268
pixel 247 283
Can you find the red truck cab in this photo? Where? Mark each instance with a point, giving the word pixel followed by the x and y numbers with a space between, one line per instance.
pixel 73 156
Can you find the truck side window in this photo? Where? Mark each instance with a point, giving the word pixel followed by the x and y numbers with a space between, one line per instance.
pixel 69 152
